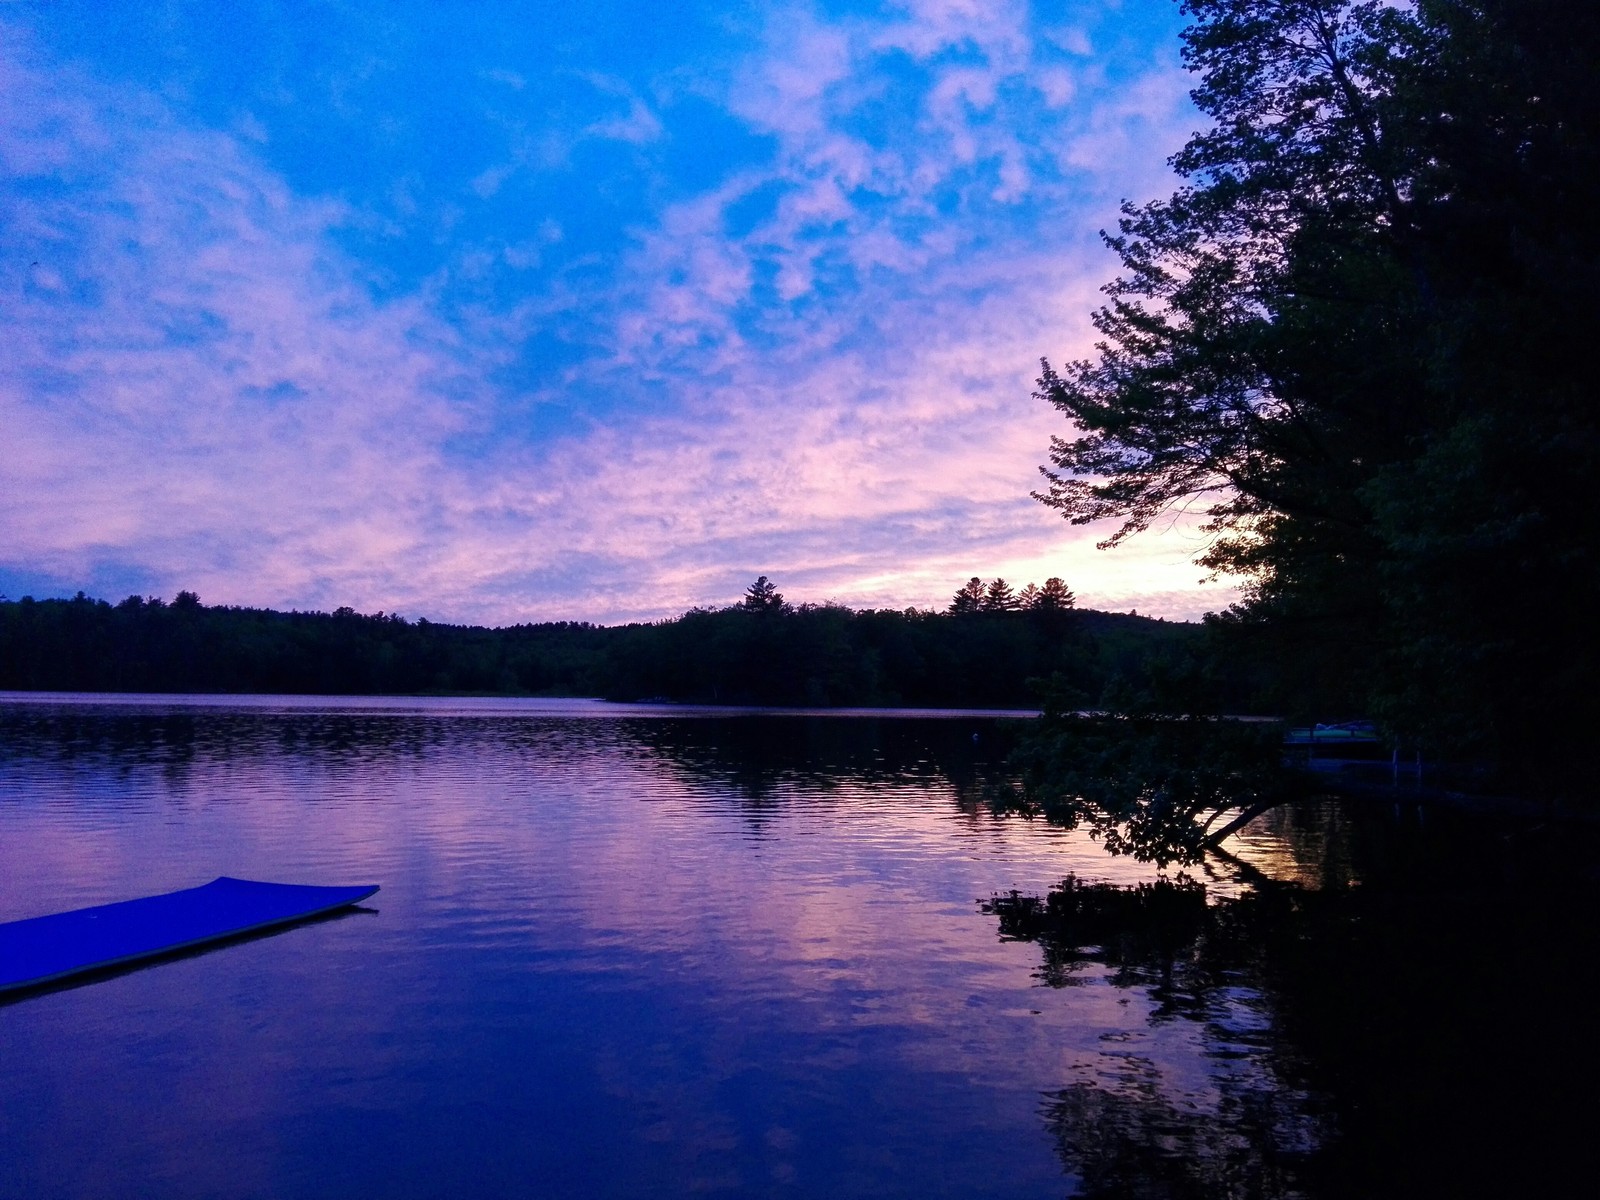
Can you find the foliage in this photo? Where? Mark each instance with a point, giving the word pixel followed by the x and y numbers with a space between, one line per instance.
pixel 1126 928
pixel 1054 596
pixel 969 597
pixel 1160 788
pixel 805 654
pixel 998 597
pixel 1355 337
pixel 763 596
pixel 1333 1017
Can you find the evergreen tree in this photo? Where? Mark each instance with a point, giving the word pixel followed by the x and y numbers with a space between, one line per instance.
pixel 998 597
pixel 1028 597
pixel 969 599
pixel 1054 596
pixel 1357 333
pixel 762 596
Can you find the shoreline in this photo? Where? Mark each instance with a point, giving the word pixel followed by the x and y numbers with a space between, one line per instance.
pixel 487 705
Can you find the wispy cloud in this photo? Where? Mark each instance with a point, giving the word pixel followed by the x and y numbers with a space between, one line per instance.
pixel 816 366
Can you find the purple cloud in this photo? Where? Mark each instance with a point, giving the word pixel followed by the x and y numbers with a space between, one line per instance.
pixel 817 366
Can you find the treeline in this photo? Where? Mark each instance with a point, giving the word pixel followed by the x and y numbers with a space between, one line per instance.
pixel 761 651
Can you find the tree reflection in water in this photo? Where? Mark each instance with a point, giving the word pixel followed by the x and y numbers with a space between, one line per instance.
pixel 1129 1139
pixel 1409 1032
pixel 1141 931
pixel 1123 1129
pixel 762 758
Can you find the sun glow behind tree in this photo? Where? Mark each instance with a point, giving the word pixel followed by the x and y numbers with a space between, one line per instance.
pixel 1355 336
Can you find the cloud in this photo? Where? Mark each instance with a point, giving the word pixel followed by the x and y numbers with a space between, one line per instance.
pixel 207 388
pixel 511 79
pixel 817 366
pixel 638 125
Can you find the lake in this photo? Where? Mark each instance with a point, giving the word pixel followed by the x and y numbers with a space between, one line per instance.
pixel 629 951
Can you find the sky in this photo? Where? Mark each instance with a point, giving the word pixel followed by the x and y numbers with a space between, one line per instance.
pixel 499 312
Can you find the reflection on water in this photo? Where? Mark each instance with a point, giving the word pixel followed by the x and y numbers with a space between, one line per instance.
pixel 636 953
pixel 1417 1023
pixel 1121 1134
pixel 1124 1126
pixel 1138 931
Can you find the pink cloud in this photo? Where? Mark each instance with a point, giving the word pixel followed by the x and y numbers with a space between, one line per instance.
pixel 200 384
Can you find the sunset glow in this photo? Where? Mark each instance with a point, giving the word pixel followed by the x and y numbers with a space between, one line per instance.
pixel 494 314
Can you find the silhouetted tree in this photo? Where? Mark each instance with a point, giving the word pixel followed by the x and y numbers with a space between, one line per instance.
pixel 998 597
pixel 815 654
pixel 1354 337
pixel 1162 789
pixel 970 598
pixel 762 596
pixel 1054 596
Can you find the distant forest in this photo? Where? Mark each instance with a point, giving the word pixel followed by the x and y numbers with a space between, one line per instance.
pixel 993 648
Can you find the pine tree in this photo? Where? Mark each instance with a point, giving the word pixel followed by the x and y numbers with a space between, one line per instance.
pixel 762 596
pixel 970 598
pixel 998 597
pixel 1054 596
pixel 1357 338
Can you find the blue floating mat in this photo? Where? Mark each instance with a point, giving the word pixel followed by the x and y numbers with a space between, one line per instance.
pixel 43 950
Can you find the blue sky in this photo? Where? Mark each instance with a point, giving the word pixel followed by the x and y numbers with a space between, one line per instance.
pixel 505 312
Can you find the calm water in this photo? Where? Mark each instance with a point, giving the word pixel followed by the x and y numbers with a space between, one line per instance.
pixel 625 952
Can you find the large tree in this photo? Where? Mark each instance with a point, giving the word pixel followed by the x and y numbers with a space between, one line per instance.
pixel 1054 597
pixel 763 596
pixel 1356 338
pixel 969 597
pixel 998 597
